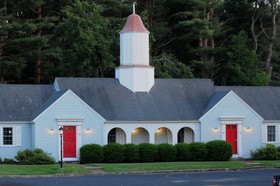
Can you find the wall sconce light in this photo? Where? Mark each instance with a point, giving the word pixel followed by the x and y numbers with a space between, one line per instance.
pixel 158 130
pixel 87 131
pixel 51 131
pixel 215 129
pixel 248 129
pixel 134 131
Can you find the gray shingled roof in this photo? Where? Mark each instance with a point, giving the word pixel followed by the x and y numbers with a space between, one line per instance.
pixel 168 100
pixel 217 96
pixel 19 102
pixel 264 100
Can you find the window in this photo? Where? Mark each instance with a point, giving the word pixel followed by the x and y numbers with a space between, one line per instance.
pixel 7 136
pixel 181 136
pixel 112 136
pixel 271 135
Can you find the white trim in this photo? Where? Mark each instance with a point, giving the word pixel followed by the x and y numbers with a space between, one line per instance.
pixel 237 97
pixel 74 95
pixel 69 122
pixel 277 132
pixel 151 122
pixel 231 121
pixel 16 131
pixel 15 122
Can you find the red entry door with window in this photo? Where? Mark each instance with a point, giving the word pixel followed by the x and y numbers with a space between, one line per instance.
pixel 69 141
pixel 231 137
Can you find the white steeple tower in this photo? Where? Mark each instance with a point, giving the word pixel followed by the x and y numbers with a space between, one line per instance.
pixel 134 71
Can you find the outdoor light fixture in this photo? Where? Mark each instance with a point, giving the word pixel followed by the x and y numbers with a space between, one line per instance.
pixel 215 129
pixel 61 133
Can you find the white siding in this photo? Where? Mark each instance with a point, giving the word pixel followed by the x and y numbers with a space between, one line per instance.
pixel 237 112
pixel 22 139
pixel 68 106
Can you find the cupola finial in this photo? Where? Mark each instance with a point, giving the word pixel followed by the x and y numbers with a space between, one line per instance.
pixel 134 3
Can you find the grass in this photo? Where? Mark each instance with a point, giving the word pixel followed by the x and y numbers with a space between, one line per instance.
pixel 269 163
pixel 135 167
pixel 41 169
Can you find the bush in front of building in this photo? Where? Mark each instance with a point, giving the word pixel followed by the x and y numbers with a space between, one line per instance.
pixel 198 151
pixel 166 152
pixel 147 152
pixel 131 153
pixel 183 152
pixel 113 153
pixel 218 150
pixel 34 157
pixel 91 153
pixel 269 152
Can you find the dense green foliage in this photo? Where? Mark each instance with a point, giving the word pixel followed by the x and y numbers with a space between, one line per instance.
pixel 91 153
pixel 198 151
pixel 230 42
pixel 113 153
pixel 131 153
pixel 183 152
pixel 148 152
pixel 218 150
pixel 34 157
pixel 269 152
pixel 166 152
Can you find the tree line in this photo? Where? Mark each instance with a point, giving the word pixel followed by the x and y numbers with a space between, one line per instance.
pixel 231 42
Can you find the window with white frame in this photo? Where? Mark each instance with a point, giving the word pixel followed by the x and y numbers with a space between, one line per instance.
pixel 271 133
pixel 8 135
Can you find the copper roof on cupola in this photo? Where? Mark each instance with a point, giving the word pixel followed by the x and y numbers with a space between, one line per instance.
pixel 134 24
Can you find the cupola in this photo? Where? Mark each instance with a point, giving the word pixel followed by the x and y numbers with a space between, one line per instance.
pixel 134 71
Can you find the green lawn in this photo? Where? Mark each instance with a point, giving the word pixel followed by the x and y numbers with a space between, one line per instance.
pixel 134 167
pixel 269 163
pixel 41 169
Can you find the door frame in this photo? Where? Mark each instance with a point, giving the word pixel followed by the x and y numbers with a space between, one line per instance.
pixel 71 122
pixel 233 121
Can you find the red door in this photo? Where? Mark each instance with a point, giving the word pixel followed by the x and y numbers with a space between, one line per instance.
pixel 231 137
pixel 69 141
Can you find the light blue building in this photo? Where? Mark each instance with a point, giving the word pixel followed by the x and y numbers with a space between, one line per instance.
pixel 135 108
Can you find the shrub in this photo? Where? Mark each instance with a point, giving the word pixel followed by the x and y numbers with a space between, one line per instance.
pixel 38 156
pixel 147 152
pixel 131 153
pixel 269 152
pixel 91 153
pixel 183 152
pixel 8 161
pixel 113 153
pixel 219 150
pixel 0 160
pixel 166 152
pixel 198 151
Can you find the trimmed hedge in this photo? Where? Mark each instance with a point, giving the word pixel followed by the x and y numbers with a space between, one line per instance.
pixel 198 151
pixel 91 153
pixel 147 152
pixel 218 150
pixel 131 153
pixel 269 152
pixel 166 152
pixel 183 152
pixel 37 156
pixel 113 153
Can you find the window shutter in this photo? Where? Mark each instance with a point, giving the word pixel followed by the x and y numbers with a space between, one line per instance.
pixel 18 136
pixel 264 133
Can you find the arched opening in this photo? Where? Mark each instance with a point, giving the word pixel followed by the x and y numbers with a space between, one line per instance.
pixel 139 135
pixel 185 135
pixel 116 135
pixel 163 135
